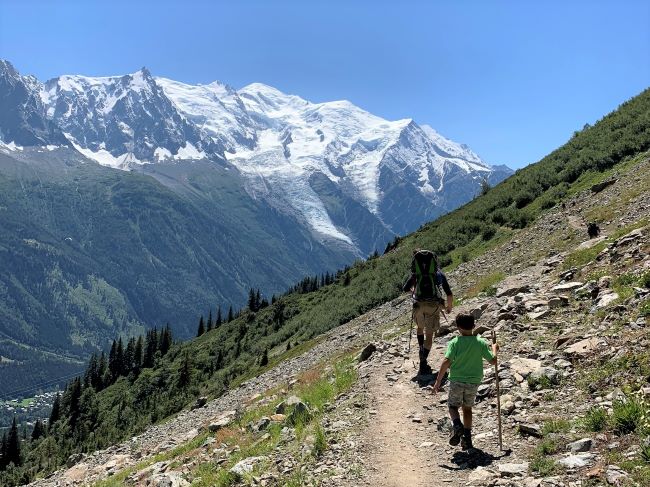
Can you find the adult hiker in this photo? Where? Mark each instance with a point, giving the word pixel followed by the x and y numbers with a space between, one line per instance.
pixel 464 359
pixel 427 284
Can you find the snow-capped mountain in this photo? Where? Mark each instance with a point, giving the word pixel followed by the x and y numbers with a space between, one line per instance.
pixel 123 118
pixel 23 119
pixel 399 171
pixel 350 177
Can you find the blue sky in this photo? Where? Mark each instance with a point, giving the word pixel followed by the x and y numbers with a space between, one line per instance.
pixel 511 79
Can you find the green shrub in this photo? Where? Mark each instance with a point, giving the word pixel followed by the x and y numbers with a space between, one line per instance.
pixel 595 420
pixel 645 450
pixel 627 415
pixel 320 442
pixel 543 466
pixel 556 426
pixel 537 384
pixel 548 446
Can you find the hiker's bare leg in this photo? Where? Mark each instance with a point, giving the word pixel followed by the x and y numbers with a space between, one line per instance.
pixel 467 417
pixel 428 340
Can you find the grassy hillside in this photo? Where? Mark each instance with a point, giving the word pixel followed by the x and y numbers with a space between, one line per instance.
pixel 228 354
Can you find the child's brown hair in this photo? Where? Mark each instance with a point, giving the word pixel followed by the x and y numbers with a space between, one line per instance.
pixel 465 321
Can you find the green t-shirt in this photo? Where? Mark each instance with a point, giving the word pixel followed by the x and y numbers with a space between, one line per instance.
pixel 466 354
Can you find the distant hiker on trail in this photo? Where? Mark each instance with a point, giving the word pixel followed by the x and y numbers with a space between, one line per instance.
pixel 464 359
pixel 425 285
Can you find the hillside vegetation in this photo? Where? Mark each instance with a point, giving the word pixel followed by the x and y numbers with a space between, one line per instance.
pixel 239 348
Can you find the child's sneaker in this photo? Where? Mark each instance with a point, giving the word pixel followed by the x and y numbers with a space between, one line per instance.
pixel 456 435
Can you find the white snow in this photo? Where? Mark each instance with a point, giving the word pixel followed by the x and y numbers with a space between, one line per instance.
pixel 161 153
pixel 11 146
pixel 188 151
pixel 105 158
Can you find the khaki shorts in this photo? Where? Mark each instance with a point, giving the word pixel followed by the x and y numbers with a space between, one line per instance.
pixel 461 394
pixel 427 316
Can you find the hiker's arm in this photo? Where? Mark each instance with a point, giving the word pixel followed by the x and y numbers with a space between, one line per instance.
pixel 444 366
pixel 408 285
pixel 495 350
pixel 450 303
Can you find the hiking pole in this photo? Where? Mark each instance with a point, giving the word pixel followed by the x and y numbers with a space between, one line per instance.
pixel 496 379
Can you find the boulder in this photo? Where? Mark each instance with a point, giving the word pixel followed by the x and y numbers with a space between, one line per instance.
pixel 290 401
pixel 512 469
pixel 568 286
pixel 577 461
pixel 245 466
pixel 524 366
pixel 604 282
pixel 550 373
pixel 169 479
pixel 512 288
pixel 539 315
pixel 605 300
pixel 74 459
pixel 579 446
pixel 367 352
pixel 200 402
pixel 616 476
pixel 582 348
pixel 558 302
pixel 531 429
pixel 300 411
pixel 220 423
pixel 261 424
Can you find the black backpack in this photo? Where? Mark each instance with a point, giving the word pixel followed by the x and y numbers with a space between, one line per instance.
pixel 425 269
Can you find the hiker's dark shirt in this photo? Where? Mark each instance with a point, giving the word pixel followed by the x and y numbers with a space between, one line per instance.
pixel 440 278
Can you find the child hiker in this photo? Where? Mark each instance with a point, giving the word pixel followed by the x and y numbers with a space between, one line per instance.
pixel 464 359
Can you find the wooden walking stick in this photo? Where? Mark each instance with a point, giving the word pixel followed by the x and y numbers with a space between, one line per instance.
pixel 496 379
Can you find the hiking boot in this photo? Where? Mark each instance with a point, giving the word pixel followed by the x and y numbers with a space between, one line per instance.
pixel 424 369
pixel 456 435
pixel 466 442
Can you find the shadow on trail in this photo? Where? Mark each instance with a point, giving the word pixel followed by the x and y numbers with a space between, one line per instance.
pixel 475 457
pixel 425 380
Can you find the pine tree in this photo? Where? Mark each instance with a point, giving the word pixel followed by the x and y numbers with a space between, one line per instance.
pixel 38 431
pixel 120 359
pixel 3 452
pixel 258 300
pixel 165 339
pixel 90 377
pixel 150 348
pixel 201 329
pixel 102 372
pixel 218 363
pixel 129 356
pixel 265 358
pixel 138 354
pixel 13 445
pixel 209 325
pixel 185 373
pixel 74 395
pixel 288 346
pixel 230 314
pixel 56 411
pixel 217 322
pixel 113 367
pixel 251 299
